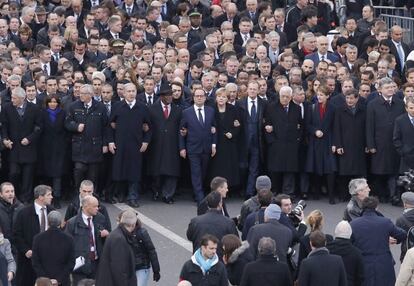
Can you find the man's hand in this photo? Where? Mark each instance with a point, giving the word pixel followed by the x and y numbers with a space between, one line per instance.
pixel 183 153
pixel 81 127
pixel 213 130
pixel 25 142
pixel 10 276
pixel 54 282
pixel 333 148
pixel 213 151
pixel 144 147
pixel 228 135
pixel 340 151
pixel 236 123
pixel 112 147
pixel 145 127
pixel 28 254
pixel 372 150
pixel 8 143
pixel 104 233
pixel 269 128
pixel 104 149
pixel 392 240
pixel 318 133
pixel 156 276
pixel 183 132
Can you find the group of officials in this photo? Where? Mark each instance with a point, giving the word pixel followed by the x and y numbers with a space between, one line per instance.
pixel 103 100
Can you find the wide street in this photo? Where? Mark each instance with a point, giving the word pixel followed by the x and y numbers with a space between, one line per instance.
pixel 167 225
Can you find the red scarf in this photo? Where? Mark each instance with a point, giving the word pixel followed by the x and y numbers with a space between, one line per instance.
pixel 322 110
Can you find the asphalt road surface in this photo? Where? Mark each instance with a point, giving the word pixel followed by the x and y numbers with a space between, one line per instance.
pixel 167 225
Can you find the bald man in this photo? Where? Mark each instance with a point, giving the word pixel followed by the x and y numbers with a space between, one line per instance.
pixel 322 54
pixel 88 231
pixel 398 48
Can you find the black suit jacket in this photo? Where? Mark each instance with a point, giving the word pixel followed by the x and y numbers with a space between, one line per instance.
pixel 107 35
pixel 403 139
pixel 394 51
pixel 53 255
pixel 238 39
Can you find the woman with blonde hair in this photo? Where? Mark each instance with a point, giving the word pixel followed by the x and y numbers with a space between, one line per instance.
pixel 315 221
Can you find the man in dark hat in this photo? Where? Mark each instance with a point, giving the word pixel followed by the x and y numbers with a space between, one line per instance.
pixel 163 153
pixel 196 32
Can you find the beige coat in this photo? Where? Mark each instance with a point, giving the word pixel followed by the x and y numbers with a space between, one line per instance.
pixel 406 275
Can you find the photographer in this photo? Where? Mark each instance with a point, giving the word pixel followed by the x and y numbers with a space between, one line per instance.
pixel 296 225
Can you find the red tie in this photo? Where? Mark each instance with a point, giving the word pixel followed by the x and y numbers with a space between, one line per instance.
pixel 165 111
pixel 91 241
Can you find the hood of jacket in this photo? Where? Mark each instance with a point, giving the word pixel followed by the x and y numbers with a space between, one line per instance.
pixel 239 251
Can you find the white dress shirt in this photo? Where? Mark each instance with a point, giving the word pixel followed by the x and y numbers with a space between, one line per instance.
pixel 38 209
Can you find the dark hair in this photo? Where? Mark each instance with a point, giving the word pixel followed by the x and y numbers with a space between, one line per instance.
pixel 370 203
pixel 49 99
pixel 198 63
pixel 208 237
pixel 213 200
pixel 41 190
pixel 353 92
pixel 309 12
pixel 264 197
pixel 230 243
pixel 280 197
pixel 217 182
pixel 317 239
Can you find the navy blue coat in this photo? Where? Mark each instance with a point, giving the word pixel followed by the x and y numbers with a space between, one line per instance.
pixel 403 139
pixel 199 138
pixel 320 159
pixel 370 234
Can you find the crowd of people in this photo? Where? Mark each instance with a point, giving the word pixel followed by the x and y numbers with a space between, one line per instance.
pixel 106 100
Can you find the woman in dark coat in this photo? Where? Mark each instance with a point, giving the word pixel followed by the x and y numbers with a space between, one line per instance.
pixel 320 157
pixel 349 140
pixel 54 142
pixel 236 255
pixel 226 160
pixel 145 256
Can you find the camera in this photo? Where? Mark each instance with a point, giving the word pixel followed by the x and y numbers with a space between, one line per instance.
pixel 407 180
pixel 297 211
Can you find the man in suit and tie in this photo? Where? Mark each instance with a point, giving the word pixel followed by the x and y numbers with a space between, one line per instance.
pixel 398 48
pixel 48 66
pixel 129 7
pixel 199 142
pixel 148 97
pixel 115 29
pixel 351 57
pixel 21 128
pixel 283 27
pixel 245 32
pixel 163 156
pixel 30 220
pixel 404 136
pixel 322 54
pixel 53 251
pixel 251 11
pixel 31 94
pixel 252 108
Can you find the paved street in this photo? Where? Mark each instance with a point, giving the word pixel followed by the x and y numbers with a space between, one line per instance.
pixel 167 225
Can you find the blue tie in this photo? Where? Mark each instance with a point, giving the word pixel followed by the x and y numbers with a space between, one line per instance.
pixel 253 112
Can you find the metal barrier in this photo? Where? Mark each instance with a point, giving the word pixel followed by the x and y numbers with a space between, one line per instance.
pixel 406 23
pixel 396 11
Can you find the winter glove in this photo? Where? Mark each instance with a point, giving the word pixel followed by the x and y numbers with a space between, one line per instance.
pixel 157 276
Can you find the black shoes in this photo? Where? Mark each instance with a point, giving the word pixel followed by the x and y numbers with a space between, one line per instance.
pixel 133 204
pixel 168 201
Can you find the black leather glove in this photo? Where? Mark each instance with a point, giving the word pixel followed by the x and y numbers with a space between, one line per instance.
pixel 157 276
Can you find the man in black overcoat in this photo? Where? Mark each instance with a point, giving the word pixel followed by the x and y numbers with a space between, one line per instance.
pixel 53 252
pixel 163 153
pixel 385 161
pixel 30 221
pixel 404 136
pixel 284 132
pixel 128 143
pixel 21 128
pixel 87 120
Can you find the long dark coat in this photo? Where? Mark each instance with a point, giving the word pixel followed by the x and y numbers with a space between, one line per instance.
pixel 379 132
pixel 284 141
pixel 163 153
pixel 54 143
pixel 226 160
pixel 54 255
pixel 128 137
pixel 370 234
pixel 26 227
pixel 320 159
pixel 403 139
pixel 87 145
pixel 15 128
pixel 117 263
pixel 349 134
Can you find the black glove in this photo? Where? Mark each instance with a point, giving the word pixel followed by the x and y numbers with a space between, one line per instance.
pixel 157 276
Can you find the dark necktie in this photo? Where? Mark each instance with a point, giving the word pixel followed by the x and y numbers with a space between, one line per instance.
pixel 129 10
pixel 253 110
pixel 200 117
pixel 45 69
pixel 91 241
pixel 166 111
pixel 42 219
pixel 322 58
pixel 286 109
pixel 87 108
pixel 108 108
pixel 412 121
pixel 149 100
